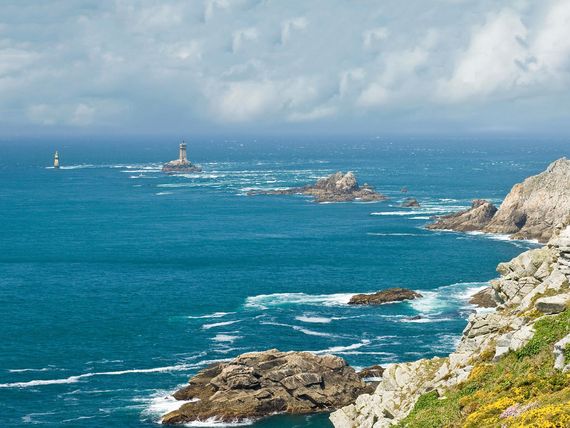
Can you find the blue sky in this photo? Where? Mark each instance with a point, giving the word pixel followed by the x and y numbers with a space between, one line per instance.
pixel 256 66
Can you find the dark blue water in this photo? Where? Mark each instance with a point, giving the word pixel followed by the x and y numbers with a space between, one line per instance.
pixel 118 282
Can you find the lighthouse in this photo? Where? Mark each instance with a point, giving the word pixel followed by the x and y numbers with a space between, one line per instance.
pixel 56 160
pixel 182 156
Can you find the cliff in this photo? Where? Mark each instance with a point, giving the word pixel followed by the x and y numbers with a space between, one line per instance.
pixel 507 369
pixel 337 187
pixel 531 210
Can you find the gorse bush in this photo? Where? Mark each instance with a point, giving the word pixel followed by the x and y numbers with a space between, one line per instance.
pixel 521 390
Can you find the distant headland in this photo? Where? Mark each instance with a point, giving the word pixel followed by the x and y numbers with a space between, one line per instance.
pixel 182 164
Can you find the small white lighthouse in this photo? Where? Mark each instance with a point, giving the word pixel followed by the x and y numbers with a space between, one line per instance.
pixel 56 160
pixel 182 156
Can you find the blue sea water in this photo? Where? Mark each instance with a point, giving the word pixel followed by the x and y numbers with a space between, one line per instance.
pixel 118 282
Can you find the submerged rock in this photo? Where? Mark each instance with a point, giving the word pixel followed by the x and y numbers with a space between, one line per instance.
pixel 180 166
pixel 410 203
pixel 385 296
pixel 338 187
pixel 259 384
pixel 475 218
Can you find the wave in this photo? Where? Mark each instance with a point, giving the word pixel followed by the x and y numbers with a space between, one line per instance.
pixel 77 378
pixel 338 349
pixel 214 315
pixel 218 324
pixel 225 338
pixel 420 218
pixel 300 329
pixel 314 320
pixel 264 301
pixel 395 234
pixel 164 193
pixel 45 369
pixel 445 297
pixel 404 213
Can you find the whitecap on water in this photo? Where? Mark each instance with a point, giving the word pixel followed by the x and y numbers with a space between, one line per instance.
pixel 214 315
pixel 264 301
pixel 225 338
pixel 218 324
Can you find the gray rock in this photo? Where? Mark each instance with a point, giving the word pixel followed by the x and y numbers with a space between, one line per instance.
pixel 553 304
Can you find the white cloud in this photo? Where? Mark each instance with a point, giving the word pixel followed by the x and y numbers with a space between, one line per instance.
pixel 170 65
pixel 287 27
pixel 240 36
pixel 493 59
pixel 373 36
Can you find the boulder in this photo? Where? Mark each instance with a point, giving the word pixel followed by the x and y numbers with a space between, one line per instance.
pixel 410 203
pixel 259 384
pixel 474 218
pixel 338 187
pixel 552 304
pixel 385 296
pixel 371 372
pixel 560 362
pixel 484 298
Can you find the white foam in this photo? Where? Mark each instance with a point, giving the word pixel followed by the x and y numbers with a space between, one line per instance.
pixel 263 301
pixel 338 349
pixel 395 234
pixel 405 213
pixel 316 320
pixel 213 422
pixel 214 315
pixel 300 329
pixel 447 296
pixel 225 338
pixel 218 324
pixel 421 217
pixel 163 193
pixel 77 378
pixel 45 369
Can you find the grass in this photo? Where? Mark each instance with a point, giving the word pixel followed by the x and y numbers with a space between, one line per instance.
pixel 526 377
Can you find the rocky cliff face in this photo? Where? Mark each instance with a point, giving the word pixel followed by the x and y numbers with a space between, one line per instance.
pixel 475 218
pixel 532 287
pixel 531 210
pixel 338 187
pixel 263 383
pixel 536 206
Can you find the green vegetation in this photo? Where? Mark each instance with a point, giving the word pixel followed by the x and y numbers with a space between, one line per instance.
pixel 524 382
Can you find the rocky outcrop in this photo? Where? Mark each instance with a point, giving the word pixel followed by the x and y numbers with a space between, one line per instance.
pixel 180 167
pixel 560 350
pixel 533 209
pixel 484 298
pixel 410 203
pixel 338 187
pixel 475 218
pixel 533 277
pixel 371 372
pixel 259 384
pixel 390 295
pixel 536 206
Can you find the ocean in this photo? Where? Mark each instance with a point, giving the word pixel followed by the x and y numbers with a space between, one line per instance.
pixel 118 282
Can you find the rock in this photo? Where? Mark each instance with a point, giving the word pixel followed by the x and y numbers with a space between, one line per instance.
pixel 385 296
pixel 552 304
pixel 338 187
pixel 533 208
pixel 371 372
pixel 404 190
pixel 484 298
pixel 177 166
pixel 410 203
pixel 258 384
pixel 475 218
pixel 560 362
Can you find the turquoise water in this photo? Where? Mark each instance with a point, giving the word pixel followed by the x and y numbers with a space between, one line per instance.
pixel 118 282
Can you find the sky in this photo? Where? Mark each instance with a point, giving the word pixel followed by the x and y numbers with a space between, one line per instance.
pixel 102 67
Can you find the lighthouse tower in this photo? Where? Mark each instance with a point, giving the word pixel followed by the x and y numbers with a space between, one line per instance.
pixel 183 152
pixel 56 160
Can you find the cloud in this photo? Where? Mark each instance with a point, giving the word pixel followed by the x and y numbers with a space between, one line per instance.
pixel 168 66
pixel 241 36
pixel 287 27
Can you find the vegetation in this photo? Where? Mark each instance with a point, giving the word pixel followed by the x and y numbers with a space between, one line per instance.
pixel 521 390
